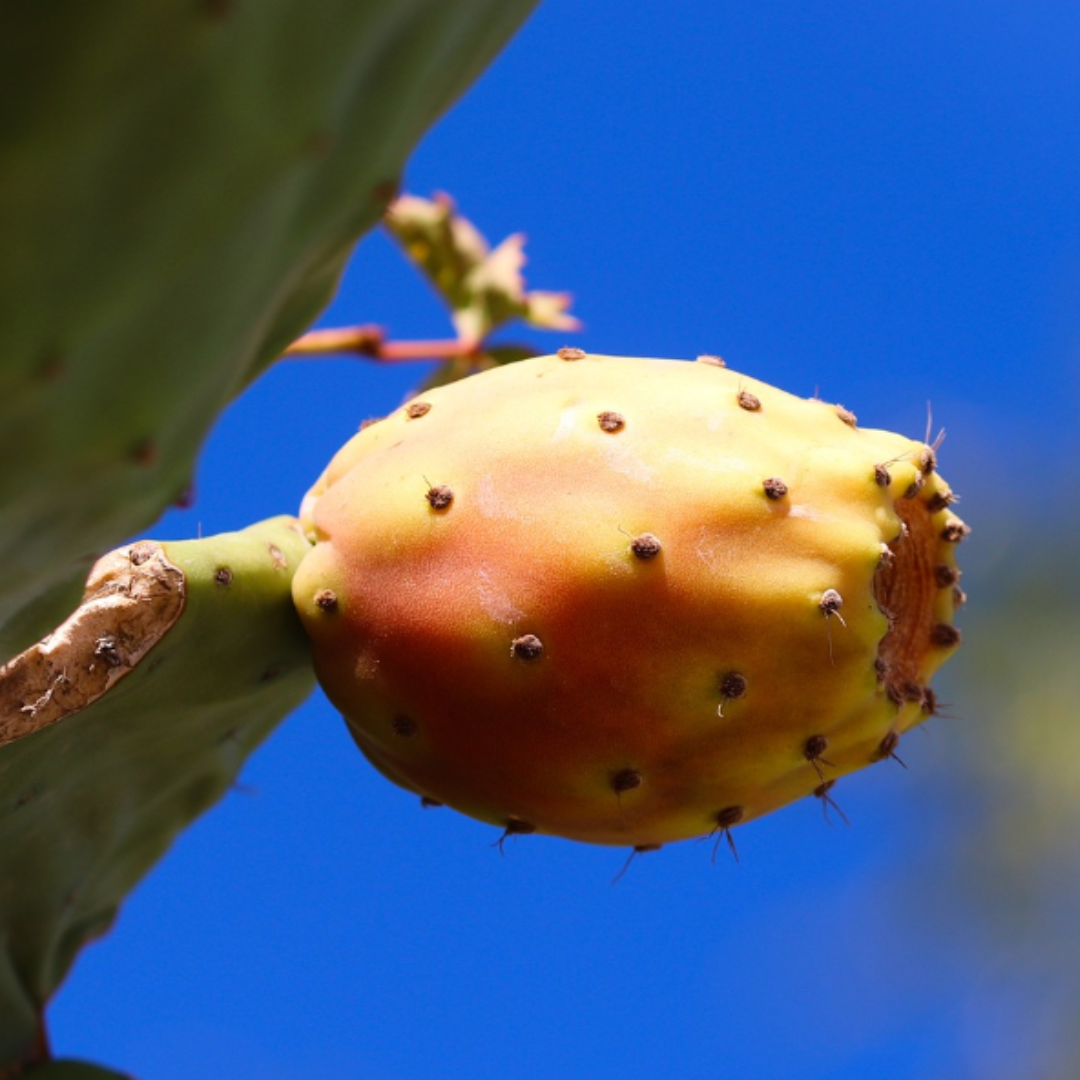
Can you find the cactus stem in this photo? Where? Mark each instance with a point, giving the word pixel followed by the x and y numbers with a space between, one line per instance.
pixel 370 343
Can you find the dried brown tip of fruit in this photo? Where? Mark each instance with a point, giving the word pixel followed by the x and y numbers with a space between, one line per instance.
pixel 940 501
pixel 645 546
pixel 527 647
pixel 914 487
pixel 775 488
pixel 223 576
pixel 326 600
pixel 569 353
pixel 847 416
pixel 928 460
pixel 626 780
pixel 882 477
pixel 749 401
pixel 611 421
pixel 416 409
pixel 439 497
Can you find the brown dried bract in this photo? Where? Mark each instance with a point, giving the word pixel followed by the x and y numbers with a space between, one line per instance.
pixel 132 598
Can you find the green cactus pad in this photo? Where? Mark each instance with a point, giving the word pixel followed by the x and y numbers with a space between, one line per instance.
pixel 181 182
pixel 122 727
pixel 626 600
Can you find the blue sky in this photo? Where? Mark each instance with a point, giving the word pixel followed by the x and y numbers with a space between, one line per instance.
pixel 881 202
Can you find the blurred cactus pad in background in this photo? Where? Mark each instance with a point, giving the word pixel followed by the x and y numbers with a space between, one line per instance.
pixel 609 598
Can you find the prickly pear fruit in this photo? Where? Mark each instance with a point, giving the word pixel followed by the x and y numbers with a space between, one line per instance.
pixel 627 601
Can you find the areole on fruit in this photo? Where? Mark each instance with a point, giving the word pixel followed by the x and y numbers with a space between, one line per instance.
pixel 660 599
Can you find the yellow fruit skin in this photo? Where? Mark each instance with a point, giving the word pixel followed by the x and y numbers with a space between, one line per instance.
pixel 559 480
